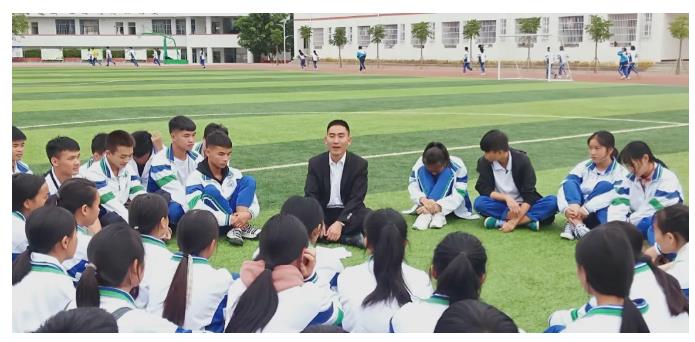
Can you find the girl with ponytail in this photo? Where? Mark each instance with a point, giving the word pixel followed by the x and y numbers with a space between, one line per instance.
pixel 648 188
pixel 197 295
pixel 41 287
pixel 278 291
pixel 29 192
pixel 458 265
pixel 671 234
pixel 111 280
pixel 586 193
pixel 373 291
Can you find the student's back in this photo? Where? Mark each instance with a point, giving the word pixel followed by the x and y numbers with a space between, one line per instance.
pixel 658 317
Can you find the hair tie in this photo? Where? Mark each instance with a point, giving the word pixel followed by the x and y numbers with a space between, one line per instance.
pixel 92 266
pixel 31 249
pixel 136 227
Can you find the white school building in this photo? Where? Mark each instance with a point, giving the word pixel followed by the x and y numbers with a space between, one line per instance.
pixel 214 34
pixel 647 31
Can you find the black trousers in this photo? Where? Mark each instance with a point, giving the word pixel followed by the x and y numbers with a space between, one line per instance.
pixel 354 224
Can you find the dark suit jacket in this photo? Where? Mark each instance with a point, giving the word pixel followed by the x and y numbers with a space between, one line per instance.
pixel 522 172
pixel 353 184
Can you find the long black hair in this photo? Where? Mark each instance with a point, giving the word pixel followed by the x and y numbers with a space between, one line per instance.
pixel 634 150
pixel 474 316
pixel 435 153
pixel 676 301
pixel 146 211
pixel 605 139
pixel 282 241
pixel 386 233
pixel 196 230
pixel 45 228
pixel 674 219
pixel 607 259
pixel 112 251
pixel 75 193
pixel 459 262
pixel 306 209
pixel 25 187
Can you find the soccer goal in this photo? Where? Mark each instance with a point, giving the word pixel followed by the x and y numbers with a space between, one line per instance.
pixel 527 58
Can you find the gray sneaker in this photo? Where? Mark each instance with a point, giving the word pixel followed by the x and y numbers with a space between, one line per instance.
pixel 250 232
pixel 581 230
pixel 569 231
pixel 234 237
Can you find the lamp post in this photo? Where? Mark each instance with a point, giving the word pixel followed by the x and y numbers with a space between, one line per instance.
pixel 284 39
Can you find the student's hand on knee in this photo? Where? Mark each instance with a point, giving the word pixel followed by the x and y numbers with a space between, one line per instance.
pixel 508 226
pixel 241 219
pixel 334 231
pixel 513 207
pixel 421 210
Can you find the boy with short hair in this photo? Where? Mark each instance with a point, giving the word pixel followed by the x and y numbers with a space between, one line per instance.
pixel 98 148
pixel 18 140
pixel 64 155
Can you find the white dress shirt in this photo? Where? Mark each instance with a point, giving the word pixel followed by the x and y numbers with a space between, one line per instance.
pixel 336 176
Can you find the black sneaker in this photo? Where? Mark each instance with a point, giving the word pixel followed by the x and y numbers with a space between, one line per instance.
pixel 250 232
pixel 356 240
pixel 234 237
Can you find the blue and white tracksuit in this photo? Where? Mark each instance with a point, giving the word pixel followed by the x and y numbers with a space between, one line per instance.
pixel 449 188
pixel 166 177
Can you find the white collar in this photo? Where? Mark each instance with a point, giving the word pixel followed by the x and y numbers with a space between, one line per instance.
pixel 498 167
pixel 339 162
pixel 682 254
pixel 46 259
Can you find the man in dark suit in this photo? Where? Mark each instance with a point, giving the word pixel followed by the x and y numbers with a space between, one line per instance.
pixel 337 179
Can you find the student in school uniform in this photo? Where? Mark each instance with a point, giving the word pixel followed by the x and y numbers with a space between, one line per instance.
pixel 146 147
pixel 438 186
pixel 41 287
pixel 466 60
pixel 507 187
pixel 632 60
pixel 80 320
pixel 277 291
pixel 115 181
pixel 362 57
pixel 606 269
pixel 623 64
pixel 474 316
pixel 586 193
pixel 172 166
pixel 109 57
pixel 201 58
pixel 199 147
pixel 458 265
pixel 18 141
pixel 197 296
pixel 131 56
pixel 302 59
pixel 481 59
pixel 90 59
pixel 222 190
pixel 647 188
pixel 671 236
pixel 155 57
pixel 370 293
pixel 548 62
pixel 64 155
pixel 668 307
pixel 562 59
pixel 148 216
pixel 98 148
pixel 116 268
pixel 315 59
pixel 80 197
pixel 29 192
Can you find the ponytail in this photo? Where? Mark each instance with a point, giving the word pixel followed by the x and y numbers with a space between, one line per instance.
pixel 175 302
pixel 87 291
pixel 21 266
pixel 459 281
pixel 675 300
pixel 632 320
pixel 256 307
pixel 459 263
pixel 386 233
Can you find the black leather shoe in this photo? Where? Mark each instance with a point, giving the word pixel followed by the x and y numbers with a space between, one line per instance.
pixel 356 240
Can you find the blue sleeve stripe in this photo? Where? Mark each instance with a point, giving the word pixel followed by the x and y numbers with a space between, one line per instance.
pixel 235 276
pixel 323 316
pixel 334 280
pixel 134 178
pixel 667 195
pixel 193 188
pixel 101 184
pixel 463 179
pixel 554 329
pixel 159 168
pixel 573 178
pixel 79 268
pixel 217 322
pixel 391 330
pixel 180 330
pixel 623 191
pixel 686 292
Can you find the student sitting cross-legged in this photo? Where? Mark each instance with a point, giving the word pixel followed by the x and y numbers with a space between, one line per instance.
pixel 507 187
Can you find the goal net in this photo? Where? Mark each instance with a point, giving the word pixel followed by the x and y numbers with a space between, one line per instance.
pixel 532 57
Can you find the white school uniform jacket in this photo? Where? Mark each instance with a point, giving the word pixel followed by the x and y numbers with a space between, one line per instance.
pixel 603 319
pixel 158 272
pixel 679 269
pixel 197 199
pixel 19 235
pixel 466 57
pixel 145 177
pixel 21 167
pixel 165 174
pixel 79 261
pixel 298 307
pixel 633 202
pixel 357 282
pixel 481 57
pixel 84 167
pixel 419 317
pixel 44 292
pixel 587 175
pixel 115 191
pixel 135 320
pixel 53 182
pixel 457 190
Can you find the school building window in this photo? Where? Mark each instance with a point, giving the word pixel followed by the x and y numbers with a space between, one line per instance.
pixel 488 32
pixel 401 38
pixel 390 36
pixel 318 37
pixel 119 28
pixel 89 27
pixel 161 26
pixel 363 36
pixel 181 26
pixel 349 37
pixel 571 30
pixel 450 33
pixel 521 40
pixel 65 26
pixel 131 28
pixel 624 28
pixel 545 28
pixel 646 25
pixel 34 27
pixel 503 28
pixel 192 26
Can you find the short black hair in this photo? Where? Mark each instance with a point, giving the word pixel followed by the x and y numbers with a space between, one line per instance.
pixel 211 127
pixel 146 211
pixel 80 320
pixel 99 143
pixel 25 186
pixel 306 209
pixel 218 138
pixel 181 123
pixel 119 138
pixel 143 143
pixel 359 47
pixel 60 144
pixel 435 153
pixel 494 140
pixel 338 122
pixel 17 134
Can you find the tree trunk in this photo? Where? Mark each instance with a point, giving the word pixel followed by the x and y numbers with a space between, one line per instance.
pixel 277 61
pixel 528 53
pixel 377 55
pixel 680 50
pixel 422 61
pixel 340 58
pixel 596 57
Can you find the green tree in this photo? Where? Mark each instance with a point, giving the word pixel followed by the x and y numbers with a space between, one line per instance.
pixel 529 26
pixel 599 30
pixel 421 31
pixel 471 30
pixel 19 24
pixel 377 33
pixel 254 34
pixel 679 30
pixel 276 39
pixel 339 39
pixel 305 33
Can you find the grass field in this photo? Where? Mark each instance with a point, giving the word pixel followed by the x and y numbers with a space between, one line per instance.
pixel 279 118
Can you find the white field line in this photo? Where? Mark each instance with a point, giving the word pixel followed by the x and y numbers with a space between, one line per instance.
pixel 71 123
pixel 468 147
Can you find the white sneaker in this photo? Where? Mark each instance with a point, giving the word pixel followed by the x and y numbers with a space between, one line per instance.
pixel 422 221
pixel 470 216
pixel 581 230
pixel 438 221
pixel 569 231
